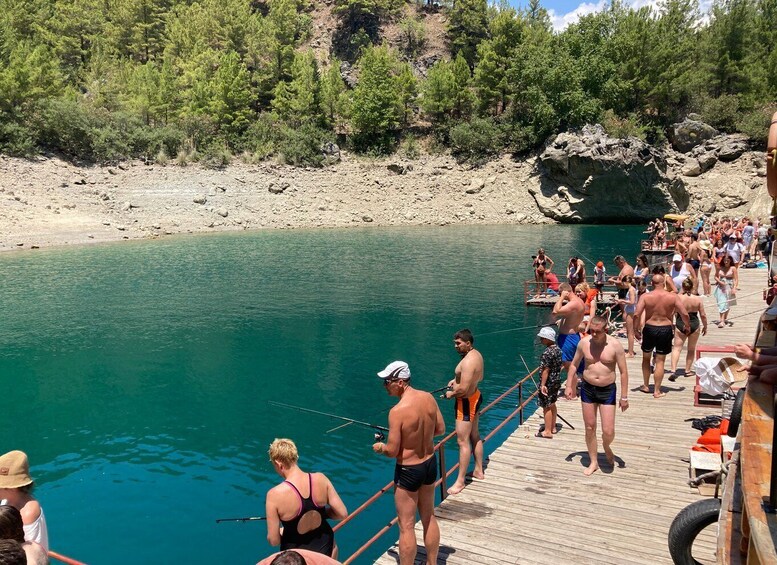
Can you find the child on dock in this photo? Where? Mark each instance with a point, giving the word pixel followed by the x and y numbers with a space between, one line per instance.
pixel 550 380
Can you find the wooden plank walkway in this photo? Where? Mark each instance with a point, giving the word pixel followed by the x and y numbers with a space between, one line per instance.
pixel 536 506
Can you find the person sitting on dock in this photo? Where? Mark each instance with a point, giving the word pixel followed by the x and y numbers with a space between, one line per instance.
pixel 413 423
pixel 464 388
pixel 550 380
pixel 551 282
pixel 571 310
pixel 601 354
pixel 659 307
pixel 304 518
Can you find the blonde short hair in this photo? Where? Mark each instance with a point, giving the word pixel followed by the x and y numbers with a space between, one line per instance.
pixel 284 451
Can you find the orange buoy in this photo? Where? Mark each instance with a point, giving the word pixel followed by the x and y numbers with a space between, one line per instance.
pixel 771 158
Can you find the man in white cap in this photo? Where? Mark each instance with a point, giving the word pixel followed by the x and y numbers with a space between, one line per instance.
pixel 413 423
pixel 16 490
pixel 680 271
pixel 550 380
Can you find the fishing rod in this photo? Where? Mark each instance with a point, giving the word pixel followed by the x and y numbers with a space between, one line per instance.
pixel 432 392
pixel 559 416
pixel 248 519
pixel 518 329
pixel 379 436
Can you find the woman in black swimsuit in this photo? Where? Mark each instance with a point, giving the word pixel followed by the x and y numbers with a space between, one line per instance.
pixel 695 307
pixel 541 260
pixel 302 503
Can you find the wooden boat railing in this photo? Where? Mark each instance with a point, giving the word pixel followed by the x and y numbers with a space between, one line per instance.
pixel 444 471
pixel 748 522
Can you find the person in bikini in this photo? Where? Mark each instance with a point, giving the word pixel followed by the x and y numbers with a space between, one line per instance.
pixel 413 423
pixel 464 388
pixel 602 354
pixel 657 335
pixel 304 518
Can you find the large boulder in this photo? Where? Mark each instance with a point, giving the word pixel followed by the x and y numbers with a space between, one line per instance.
pixel 590 177
pixel 689 133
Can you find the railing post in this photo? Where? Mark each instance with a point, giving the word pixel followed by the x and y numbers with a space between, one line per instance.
pixel 443 470
pixel 520 404
pixel 773 474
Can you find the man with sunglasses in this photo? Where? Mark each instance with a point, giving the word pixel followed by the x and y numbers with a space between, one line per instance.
pixel 602 354
pixel 413 423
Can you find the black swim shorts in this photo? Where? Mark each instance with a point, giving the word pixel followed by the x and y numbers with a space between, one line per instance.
pixel 592 394
pixel 658 338
pixel 411 477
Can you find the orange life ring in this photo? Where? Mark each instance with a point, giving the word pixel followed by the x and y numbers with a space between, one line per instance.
pixel 771 158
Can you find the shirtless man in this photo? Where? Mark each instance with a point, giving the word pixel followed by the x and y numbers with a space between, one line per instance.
pixel 464 388
pixel 624 270
pixel 571 310
pixel 601 354
pixel 413 423
pixel 659 307
pixel 694 259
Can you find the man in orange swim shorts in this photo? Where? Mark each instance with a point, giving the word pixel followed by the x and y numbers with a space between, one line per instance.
pixel 464 388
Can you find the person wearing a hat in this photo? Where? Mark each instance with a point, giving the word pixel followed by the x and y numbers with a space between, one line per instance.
pixel 680 271
pixel 16 490
pixel 413 423
pixel 550 380
pixel 600 275
pixel 736 251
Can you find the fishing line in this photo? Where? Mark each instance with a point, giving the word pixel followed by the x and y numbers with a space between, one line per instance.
pixel 247 519
pixel 559 416
pixel 517 329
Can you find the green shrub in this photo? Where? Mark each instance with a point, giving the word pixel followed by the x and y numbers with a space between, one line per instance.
pixel 215 156
pixel 409 147
pixel 17 139
pixel 722 112
pixel 476 139
pixel 755 124
pixel 65 125
pixel 262 136
pixel 622 127
pixel 302 146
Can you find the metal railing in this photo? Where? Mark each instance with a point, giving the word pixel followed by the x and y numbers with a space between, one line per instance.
pixel 444 472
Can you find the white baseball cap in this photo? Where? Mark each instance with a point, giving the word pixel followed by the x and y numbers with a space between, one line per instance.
pixel 547 333
pixel 677 257
pixel 395 370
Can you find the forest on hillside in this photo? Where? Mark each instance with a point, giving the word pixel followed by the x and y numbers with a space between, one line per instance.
pixel 208 80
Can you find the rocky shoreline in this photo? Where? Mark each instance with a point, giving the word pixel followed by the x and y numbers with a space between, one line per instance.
pixel 583 177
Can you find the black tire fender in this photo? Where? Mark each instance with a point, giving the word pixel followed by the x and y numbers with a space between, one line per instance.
pixel 736 413
pixel 687 525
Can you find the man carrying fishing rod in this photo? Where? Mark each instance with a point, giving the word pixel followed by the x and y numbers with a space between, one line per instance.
pixel 413 423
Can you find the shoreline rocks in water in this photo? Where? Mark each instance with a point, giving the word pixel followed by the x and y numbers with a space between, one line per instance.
pixel 580 177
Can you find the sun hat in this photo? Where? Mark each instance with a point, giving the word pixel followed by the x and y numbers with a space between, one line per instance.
pixel 547 333
pixel 395 370
pixel 14 470
pixel 677 257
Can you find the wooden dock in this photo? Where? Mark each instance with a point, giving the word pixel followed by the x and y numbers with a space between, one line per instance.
pixel 536 506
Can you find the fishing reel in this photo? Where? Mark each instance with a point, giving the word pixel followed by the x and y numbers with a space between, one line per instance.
pixel 380 436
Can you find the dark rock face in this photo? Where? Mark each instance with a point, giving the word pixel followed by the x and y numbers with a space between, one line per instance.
pixel 689 133
pixel 588 176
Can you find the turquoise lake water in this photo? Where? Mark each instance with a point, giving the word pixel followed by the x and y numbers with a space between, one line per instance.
pixel 137 375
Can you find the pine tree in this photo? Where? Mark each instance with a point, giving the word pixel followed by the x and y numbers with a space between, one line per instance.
pixel 438 97
pixel 408 91
pixel 375 113
pixel 297 101
pixel 333 94
pixel 467 27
